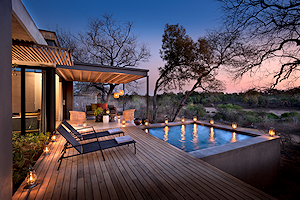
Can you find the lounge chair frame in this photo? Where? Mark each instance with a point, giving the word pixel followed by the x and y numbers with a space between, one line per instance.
pixel 88 147
pixel 92 135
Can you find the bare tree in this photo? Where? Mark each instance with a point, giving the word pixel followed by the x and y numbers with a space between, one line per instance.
pixel 264 30
pixel 108 42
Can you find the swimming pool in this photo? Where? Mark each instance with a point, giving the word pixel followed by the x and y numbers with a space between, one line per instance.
pixel 192 137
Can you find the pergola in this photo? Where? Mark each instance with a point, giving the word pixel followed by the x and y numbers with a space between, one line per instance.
pixel 84 72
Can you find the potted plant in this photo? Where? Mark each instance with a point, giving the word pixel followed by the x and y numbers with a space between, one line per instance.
pixel 98 114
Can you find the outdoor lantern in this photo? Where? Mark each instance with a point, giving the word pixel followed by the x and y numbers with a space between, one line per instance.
pixel 182 119
pixel 116 95
pixel 121 92
pixel 166 121
pixel 272 131
pixel 195 118
pixel 46 149
pixel 146 122
pixel 107 111
pixel 123 122
pixel 31 178
pixel 211 121
pixel 53 138
pixel 84 124
pixel 119 116
pixel 234 125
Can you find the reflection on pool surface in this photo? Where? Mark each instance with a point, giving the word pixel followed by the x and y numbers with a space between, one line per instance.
pixel 192 137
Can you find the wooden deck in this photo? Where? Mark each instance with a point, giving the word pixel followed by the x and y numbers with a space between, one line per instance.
pixel 157 171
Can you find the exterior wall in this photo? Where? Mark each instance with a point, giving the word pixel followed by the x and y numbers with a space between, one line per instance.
pixel 256 164
pixel 68 98
pixel 5 100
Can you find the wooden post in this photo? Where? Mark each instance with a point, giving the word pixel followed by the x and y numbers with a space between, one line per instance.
pixel 124 97
pixel 147 115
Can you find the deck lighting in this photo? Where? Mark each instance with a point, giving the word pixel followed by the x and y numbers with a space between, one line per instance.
pixel 195 118
pixel 116 95
pixel 234 125
pixel 272 131
pixel 146 122
pixel 46 149
pixel 182 119
pixel 53 138
pixel 31 178
pixel 211 121
pixel 121 92
pixel 166 121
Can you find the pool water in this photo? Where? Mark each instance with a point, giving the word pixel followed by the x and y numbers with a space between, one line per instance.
pixel 192 137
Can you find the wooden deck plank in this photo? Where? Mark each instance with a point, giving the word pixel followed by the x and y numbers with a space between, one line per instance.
pixel 46 173
pixel 189 174
pixel 73 183
pixel 193 166
pixel 157 171
pixel 94 180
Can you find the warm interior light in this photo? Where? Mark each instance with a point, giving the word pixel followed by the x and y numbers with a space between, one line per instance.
pixel 116 95
pixel 195 118
pixel 53 138
pixel 234 125
pixel 211 121
pixel 272 131
pixel 31 177
pixel 182 119
pixel 121 92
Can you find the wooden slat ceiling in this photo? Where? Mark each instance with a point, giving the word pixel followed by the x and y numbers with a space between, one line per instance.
pixel 41 55
pixel 96 76
pixel 61 59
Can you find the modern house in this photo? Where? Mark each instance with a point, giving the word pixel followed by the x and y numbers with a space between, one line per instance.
pixel 38 89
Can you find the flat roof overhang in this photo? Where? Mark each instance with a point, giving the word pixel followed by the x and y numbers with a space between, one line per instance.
pixel 100 73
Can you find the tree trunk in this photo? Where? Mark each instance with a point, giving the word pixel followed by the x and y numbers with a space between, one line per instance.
pixel 155 100
pixel 111 89
pixel 183 100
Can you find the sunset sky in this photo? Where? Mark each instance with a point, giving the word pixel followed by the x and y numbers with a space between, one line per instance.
pixel 149 19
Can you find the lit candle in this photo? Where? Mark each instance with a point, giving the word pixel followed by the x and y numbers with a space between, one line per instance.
pixel 182 119
pixel 272 131
pixel 195 118
pixel 234 125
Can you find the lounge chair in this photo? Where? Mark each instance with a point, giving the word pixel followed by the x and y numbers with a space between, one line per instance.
pixel 92 135
pixel 92 146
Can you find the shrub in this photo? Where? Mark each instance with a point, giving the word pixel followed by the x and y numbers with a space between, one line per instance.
pixel 26 150
pixel 194 110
